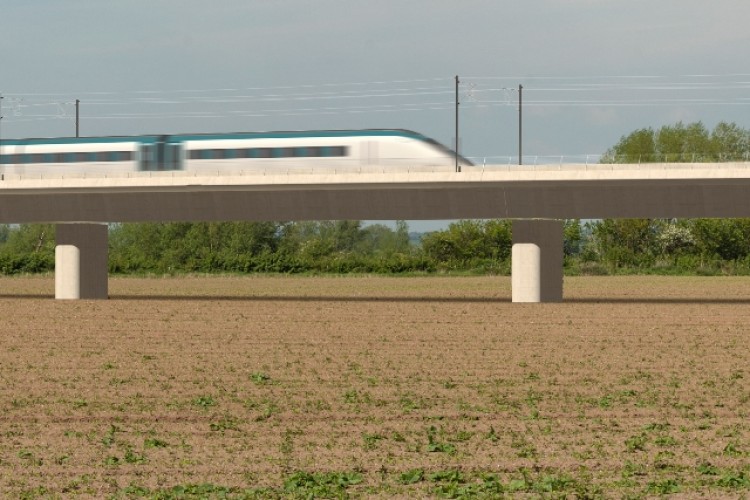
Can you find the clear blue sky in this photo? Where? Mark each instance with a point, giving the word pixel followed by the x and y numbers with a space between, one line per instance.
pixel 592 70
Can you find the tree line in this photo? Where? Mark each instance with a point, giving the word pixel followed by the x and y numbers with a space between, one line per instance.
pixel 707 246
pixel 689 143
pixel 608 246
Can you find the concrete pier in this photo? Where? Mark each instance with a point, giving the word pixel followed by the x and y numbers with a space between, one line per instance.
pixel 537 261
pixel 81 265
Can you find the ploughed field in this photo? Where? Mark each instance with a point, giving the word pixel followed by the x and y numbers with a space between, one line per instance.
pixel 375 386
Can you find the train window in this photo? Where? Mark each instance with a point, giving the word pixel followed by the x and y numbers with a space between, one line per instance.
pixel 36 158
pixel 102 156
pixel 126 156
pixel 284 152
pixel 219 154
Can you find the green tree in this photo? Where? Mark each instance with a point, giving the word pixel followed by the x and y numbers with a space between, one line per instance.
pixel 637 147
pixel 31 238
pixel 730 142
pixel 470 244
pixel 137 247
pixel 186 246
pixel 726 239
pixel 627 242
pixel 346 234
pixel 676 238
pixel 380 240
pixel 28 248
pixel 572 237
pixel 682 143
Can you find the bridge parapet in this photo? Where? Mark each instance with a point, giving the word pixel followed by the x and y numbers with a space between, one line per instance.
pixel 375 170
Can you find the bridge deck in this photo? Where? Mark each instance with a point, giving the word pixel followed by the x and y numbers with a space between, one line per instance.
pixel 505 191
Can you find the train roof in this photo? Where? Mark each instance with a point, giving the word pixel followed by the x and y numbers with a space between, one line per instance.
pixel 151 138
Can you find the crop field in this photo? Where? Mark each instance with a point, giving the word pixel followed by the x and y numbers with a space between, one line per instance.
pixel 276 387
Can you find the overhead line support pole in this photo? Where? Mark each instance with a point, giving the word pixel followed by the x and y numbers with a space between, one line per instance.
pixel 520 124
pixel 78 102
pixel 458 168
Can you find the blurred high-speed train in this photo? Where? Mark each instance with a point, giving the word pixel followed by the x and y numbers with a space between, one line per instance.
pixel 234 152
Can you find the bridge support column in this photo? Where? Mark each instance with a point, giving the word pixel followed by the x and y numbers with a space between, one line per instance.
pixel 81 261
pixel 537 261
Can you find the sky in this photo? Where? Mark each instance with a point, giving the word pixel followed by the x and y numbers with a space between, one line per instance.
pixel 592 70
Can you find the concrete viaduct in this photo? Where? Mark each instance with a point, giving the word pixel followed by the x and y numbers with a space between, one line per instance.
pixel 537 198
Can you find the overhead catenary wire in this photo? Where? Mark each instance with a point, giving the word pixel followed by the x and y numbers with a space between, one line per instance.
pixel 383 96
pixel 280 91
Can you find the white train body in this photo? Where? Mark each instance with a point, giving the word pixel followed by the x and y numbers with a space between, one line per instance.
pixel 30 158
pixel 226 153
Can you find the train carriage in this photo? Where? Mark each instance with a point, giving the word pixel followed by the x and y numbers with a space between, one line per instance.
pixel 220 153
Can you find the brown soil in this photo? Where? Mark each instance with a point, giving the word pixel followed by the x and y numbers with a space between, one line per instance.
pixel 633 385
